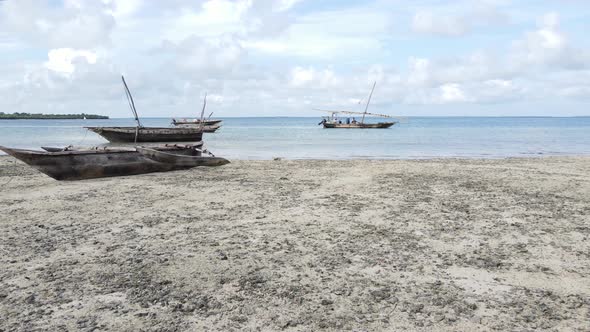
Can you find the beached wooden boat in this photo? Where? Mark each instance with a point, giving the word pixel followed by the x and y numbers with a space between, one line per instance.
pixel 82 164
pixel 184 160
pixel 148 134
pixel 333 122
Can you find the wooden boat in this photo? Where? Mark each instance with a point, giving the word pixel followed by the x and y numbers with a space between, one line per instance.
pixel 80 164
pixel 333 122
pixel 193 122
pixel 206 129
pixel 140 133
pixel 197 146
pixel 208 125
pixel 359 125
pixel 184 160
pixel 148 134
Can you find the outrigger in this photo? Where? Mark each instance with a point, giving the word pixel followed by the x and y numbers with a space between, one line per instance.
pixel 333 122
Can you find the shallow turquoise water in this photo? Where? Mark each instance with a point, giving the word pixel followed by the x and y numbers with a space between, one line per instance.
pixel 418 137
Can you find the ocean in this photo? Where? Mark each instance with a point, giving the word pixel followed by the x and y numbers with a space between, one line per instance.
pixel 303 138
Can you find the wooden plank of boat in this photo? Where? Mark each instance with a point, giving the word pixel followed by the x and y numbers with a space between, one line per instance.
pixel 148 134
pixel 196 145
pixel 206 129
pixel 210 129
pixel 195 122
pixel 81 148
pixel 180 160
pixel 52 149
pixel 359 125
pixel 88 164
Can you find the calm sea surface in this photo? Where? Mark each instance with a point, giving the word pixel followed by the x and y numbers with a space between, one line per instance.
pixel 299 138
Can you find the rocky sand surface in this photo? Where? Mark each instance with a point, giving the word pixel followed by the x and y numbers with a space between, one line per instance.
pixel 300 246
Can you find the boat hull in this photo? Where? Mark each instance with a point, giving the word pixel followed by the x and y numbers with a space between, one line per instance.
pixel 195 122
pixel 206 128
pixel 182 160
pixel 133 134
pixel 89 164
pixel 380 125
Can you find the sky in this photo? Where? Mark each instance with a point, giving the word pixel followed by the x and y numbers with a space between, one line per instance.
pixel 287 57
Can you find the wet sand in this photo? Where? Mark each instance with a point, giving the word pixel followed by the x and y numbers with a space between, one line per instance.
pixel 300 246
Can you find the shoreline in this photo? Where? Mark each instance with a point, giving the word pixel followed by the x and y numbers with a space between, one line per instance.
pixel 532 156
pixel 298 245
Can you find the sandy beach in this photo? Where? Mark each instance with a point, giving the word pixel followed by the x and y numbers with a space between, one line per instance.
pixel 300 246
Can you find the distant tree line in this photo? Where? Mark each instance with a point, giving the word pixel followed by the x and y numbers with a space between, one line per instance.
pixel 17 115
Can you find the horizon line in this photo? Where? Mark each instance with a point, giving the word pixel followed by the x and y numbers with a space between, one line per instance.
pixel 401 116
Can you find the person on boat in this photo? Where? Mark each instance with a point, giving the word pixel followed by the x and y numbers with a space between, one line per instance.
pixel 353 120
pixel 322 122
pixel 347 120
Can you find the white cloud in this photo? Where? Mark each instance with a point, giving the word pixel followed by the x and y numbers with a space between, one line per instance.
pixel 301 76
pixel 9 45
pixel 419 71
pixel 78 24
pixel 205 56
pixel 244 19
pixel 452 93
pixel 376 73
pixel 310 77
pixel 449 93
pixel 458 18
pixel 429 23
pixel 63 60
pixel 329 34
pixel 262 57
pixel 581 92
pixel 123 9
pixel 548 46
pixel 216 17
pixel 282 5
pixel 498 90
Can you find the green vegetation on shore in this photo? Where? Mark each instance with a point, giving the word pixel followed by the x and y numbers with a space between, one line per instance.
pixel 16 116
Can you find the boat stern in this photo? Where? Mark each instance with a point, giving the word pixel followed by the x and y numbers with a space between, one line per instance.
pixel 5 150
pixel 220 161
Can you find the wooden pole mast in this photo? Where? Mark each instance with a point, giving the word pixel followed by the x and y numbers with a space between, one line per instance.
pixel 131 103
pixel 203 111
pixel 368 101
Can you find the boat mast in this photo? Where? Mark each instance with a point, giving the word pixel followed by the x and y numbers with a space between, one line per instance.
pixel 368 101
pixel 131 103
pixel 203 111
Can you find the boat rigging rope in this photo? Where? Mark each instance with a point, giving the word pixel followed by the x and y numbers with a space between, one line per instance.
pixel 83 138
